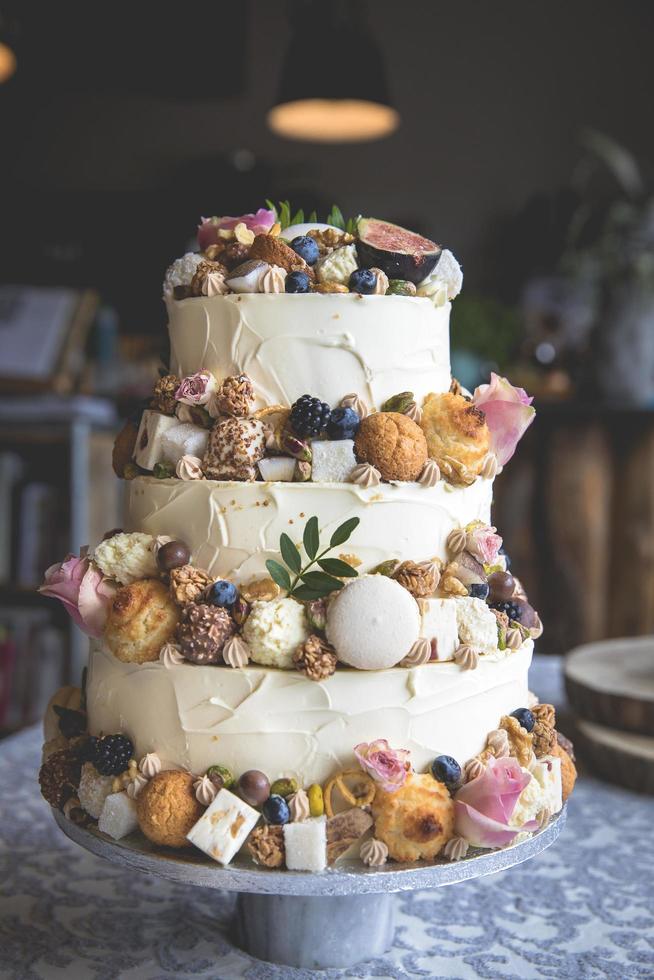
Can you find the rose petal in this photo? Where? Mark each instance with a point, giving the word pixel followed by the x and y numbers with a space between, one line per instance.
pixel 480 830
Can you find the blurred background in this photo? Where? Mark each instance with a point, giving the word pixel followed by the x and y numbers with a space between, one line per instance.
pixel 515 134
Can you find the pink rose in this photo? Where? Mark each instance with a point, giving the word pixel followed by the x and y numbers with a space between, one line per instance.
pixel 84 591
pixel 508 413
pixel 483 543
pixel 483 807
pixel 197 389
pixel 260 223
pixel 387 766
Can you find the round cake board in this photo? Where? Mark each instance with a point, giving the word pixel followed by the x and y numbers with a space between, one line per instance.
pixel 302 919
pixel 618 757
pixel 612 683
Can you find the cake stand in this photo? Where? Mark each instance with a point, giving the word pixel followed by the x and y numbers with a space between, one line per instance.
pixel 334 919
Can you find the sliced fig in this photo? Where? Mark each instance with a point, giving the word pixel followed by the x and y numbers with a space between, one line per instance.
pixel 400 253
pixel 468 570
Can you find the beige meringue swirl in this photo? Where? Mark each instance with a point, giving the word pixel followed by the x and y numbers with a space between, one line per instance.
pixel 354 401
pixel 536 630
pixel 135 786
pixel 513 638
pixel 189 468
pixel 236 652
pixel 150 765
pixel 456 849
pixel 430 474
pixel 543 817
pixel 214 284
pixel 498 743
pixel 273 280
pixel 489 467
pixel 365 475
pixel 456 541
pixel 170 655
pixel 205 790
pixel 472 769
pixel 298 804
pixel 420 653
pixel 466 657
pixel 414 412
pixel 374 853
pixel 381 282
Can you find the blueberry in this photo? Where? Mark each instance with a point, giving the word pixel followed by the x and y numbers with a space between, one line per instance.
pixel 479 590
pixel 297 282
pixel 275 810
pixel 343 424
pixel 306 247
pixel 222 594
pixel 525 718
pixel 446 770
pixel 363 281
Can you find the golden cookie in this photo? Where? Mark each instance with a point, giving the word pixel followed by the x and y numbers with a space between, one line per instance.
pixel 416 821
pixel 123 451
pixel 143 617
pixel 274 251
pixel 392 443
pixel 458 437
pixel 167 808
pixel 568 771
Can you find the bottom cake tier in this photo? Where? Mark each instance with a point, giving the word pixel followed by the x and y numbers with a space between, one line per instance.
pixel 284 724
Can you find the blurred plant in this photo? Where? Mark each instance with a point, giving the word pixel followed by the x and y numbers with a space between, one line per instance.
pixel 486 328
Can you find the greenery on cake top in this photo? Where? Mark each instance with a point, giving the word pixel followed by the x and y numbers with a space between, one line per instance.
pixel 297 579
pixel 286 217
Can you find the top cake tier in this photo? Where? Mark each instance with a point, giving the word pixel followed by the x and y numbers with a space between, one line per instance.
pixel 328 345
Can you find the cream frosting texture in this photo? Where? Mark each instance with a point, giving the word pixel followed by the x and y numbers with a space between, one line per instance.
pixel 233 528
pixel 327 345
pixel 286 725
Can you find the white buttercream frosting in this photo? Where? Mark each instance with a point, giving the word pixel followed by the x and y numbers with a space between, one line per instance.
pixel 327 345
pixel 287 725
pixel 233 528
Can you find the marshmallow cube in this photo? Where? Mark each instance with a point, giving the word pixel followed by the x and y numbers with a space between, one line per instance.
pixel 149 441
pixel 277 469
pixel 333 462
pixel 547 771
pixel 439 623
pixel 224 827
pixel 476 623
pixel 118 817
pixel 305 843
pixel 184 439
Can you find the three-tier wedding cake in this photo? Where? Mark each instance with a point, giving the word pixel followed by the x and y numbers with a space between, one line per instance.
pixel 309 617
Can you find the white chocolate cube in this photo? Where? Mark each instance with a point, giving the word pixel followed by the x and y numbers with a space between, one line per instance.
pixel 305 843
pixel 118 817
pixel 184 439
pixel 277 468
pixel 476 623
pixel 439 623
pixel 547 771
pixel 332 462
pixel 149 441
pixel 224 826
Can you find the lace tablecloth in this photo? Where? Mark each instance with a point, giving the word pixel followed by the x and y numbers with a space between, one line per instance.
pixel 583 909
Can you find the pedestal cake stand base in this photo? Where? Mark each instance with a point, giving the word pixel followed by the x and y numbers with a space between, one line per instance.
pixel 301 919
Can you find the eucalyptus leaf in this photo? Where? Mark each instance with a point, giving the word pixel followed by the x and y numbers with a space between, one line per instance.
pixel 342 533
pixel 321 582
pixel 279 574
pixel 311 537
pixel 334 566
pixel 290 554
pixel 305 594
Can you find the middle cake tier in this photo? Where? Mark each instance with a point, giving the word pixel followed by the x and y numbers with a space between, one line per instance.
pixel 233 528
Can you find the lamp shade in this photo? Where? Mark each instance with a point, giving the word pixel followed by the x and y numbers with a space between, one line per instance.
pixel 333 86
pixel 7 62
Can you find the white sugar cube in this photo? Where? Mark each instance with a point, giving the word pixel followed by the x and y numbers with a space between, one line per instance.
pixel 277 468
pixel 118 817
pixel 332 462
pixel 305 843
pixel 439 623
pixel 149 441
pixel 184 439
pixel 224 826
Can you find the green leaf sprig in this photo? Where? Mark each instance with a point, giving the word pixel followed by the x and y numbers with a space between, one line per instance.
pixel 297 579
pixel 286 217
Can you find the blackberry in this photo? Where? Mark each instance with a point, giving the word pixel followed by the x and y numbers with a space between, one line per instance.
pixel 309 416
pixel 512 609
pixel 111 754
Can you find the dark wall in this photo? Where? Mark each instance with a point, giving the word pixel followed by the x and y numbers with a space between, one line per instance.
pixel 121 125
